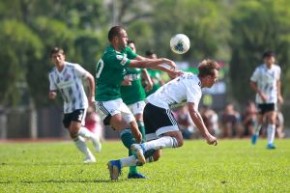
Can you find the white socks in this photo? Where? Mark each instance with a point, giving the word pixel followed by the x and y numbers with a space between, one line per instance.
pixel 81 145
pixel 84 132
pixel 271 133
pixel 128 161
pixel 163 142
pixel 257 129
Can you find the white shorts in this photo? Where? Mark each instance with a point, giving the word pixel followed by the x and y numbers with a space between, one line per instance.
pixel 137 108
pixel 107 109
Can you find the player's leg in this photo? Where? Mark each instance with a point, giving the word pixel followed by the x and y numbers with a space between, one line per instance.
pixel 81 130
pixel 128 139
pixel 72 123
pixel 271 129
pixel 161 131
pixel 259 123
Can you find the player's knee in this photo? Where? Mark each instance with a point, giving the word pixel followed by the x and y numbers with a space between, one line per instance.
pixel 117 122
pixel 179 143
pixel 156 155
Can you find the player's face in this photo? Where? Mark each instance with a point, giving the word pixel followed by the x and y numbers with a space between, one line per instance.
pixel 269 60
pixel 58 58
pixel 132 46
pixel 122 39
pixel 211 79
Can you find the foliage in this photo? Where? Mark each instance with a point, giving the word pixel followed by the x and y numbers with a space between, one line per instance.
pixel 237 32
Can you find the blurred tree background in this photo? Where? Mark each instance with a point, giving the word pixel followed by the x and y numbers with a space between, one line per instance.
pixel 236 32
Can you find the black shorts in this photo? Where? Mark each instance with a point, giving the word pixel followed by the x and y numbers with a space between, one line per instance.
pixel 78 116
pixel 264 108
pixel 156 118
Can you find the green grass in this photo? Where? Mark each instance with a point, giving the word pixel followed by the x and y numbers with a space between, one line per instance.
pixel 232 166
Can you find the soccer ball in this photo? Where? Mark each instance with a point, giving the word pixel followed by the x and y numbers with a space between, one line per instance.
pixel 179 43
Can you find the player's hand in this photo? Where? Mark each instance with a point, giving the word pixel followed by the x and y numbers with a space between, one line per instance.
pixel 211 140
pixel 149 86
pixel 52 95
pixel 127 81
pixel 138 136
pixel 263 97
pixel 171 64
pixel 173 74
pixel 280 100
pixel 92 101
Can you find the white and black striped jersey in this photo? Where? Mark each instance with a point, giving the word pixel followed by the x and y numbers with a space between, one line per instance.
pixel 69 83
pixel 266 79
pixel 183 89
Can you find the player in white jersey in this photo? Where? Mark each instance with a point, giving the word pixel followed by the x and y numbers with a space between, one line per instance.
pixel 162 130
pixel 67 78
pixel 265 81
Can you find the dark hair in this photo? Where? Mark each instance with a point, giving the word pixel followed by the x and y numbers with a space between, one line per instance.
pixel 149 53
pixel 268 53
pixel 207 67
pixel 56 50
pixel 130 42
pixel 114 31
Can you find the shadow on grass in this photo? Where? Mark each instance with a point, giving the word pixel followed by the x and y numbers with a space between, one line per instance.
pixel 56 181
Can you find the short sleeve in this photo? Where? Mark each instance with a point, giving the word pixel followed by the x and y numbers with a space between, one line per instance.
pixel 117 60
pixel 52 85
pixel 80 71
pixel 255 75
pixel 130 53
pixel 193 94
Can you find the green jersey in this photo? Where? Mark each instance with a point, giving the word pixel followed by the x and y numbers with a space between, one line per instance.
pixel 155 76
pixel 135 92
pixel 110 72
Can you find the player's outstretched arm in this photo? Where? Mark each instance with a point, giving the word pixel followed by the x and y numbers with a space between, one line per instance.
pixel 197 119
pixel 91 83
pixel 148 79
pixel 258 91
pixel 152 63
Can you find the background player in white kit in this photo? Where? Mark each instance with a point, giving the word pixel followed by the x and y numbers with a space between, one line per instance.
pixel 162 130
pixel 265 81
pixel 67 78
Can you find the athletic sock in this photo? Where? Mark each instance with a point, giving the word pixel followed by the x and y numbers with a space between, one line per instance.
pixel 81 145
pixel 84 132
pixel 257 129
pixel 128 161
pixel 141 129
pixel 128 139
pixel 163 142
pixel 271 133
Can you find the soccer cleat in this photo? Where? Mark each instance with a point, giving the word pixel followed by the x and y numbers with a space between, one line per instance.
pixel 254 139
pixel 115 169
pixel 89 160
pixel 271 146
pixel 138 151
pixel 136 176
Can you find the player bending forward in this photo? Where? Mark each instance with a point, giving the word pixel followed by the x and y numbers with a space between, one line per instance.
pixel 162 130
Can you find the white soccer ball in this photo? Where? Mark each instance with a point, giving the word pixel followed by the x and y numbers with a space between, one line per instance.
pixel 179 43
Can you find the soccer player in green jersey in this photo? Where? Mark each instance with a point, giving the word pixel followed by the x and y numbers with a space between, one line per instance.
pixel 133 95
pixel 110 73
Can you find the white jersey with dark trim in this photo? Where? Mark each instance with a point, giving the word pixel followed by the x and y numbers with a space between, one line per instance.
pixel 69 83
pixel 183 89
pixel 266 79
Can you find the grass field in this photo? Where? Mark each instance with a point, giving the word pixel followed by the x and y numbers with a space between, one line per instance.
pixel 232 166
